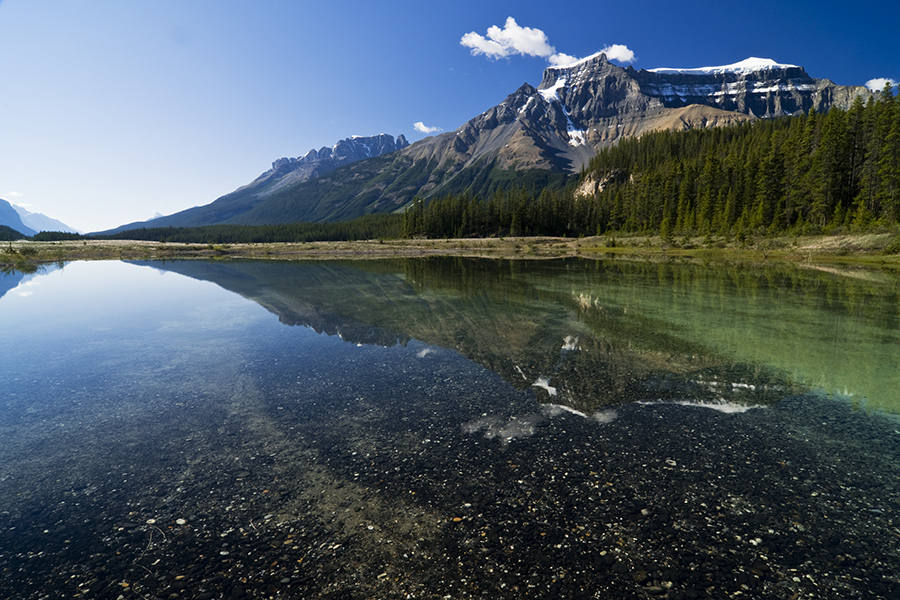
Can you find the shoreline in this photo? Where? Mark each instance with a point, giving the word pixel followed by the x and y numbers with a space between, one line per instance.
pixel 858 250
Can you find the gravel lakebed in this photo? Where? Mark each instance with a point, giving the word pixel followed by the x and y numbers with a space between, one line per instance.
pixel 349 495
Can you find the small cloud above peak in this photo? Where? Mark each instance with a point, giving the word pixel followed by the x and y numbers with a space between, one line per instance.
pixel 619 53
pixel 561 60
pixel 877 84
pixel 515 40
pixel 423 128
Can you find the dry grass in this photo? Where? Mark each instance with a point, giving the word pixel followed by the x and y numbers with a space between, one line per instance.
pixel 862 249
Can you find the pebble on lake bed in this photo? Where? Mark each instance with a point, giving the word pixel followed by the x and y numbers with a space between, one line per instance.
pixel 181 521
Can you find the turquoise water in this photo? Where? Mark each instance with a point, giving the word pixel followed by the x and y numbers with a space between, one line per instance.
pixel 444 427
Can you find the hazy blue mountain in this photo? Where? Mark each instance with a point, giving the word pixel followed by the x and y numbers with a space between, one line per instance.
pixel 11 218
pixel 41 222
pixel 9 281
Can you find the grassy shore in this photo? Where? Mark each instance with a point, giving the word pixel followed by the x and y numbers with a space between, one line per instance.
pixel 873 250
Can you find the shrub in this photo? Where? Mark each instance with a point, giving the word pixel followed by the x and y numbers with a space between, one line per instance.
pixel 893 246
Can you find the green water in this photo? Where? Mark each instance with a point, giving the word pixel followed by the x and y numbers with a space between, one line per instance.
pixel 830 331
pixel 836 332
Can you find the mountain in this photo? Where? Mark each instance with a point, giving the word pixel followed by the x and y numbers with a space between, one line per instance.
pixel 535 137
pixel 40 222
pixel 286 171
pixel 284 174
pixel 581 108
pixel 11 218
pixel 10 280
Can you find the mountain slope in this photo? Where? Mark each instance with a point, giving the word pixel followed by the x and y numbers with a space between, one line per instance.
pixel 11 218
pixel 285 173
pixel 537 136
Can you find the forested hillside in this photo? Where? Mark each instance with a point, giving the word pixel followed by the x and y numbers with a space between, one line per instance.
pixel 378 226
pixel 807 174
pixel 8 234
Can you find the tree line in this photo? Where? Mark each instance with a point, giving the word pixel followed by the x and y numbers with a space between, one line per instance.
pixel 377 226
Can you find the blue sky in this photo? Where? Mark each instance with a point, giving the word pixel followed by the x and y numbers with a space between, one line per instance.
pixel 113 110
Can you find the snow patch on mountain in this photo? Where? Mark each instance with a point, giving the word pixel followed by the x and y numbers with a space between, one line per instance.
pixel 551 94
pixel 749 65
pixel 670 91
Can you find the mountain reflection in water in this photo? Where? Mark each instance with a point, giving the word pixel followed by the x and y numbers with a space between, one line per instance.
pixel 595 334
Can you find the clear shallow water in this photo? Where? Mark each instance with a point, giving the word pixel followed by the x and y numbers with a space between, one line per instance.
pixel 440 427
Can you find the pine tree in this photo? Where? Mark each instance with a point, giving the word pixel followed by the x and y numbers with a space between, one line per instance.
pixel 888 166
pixel 826 169
pixel 769 187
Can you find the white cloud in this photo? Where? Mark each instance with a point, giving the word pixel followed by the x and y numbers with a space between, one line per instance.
pixel 23 288
pixel 618 53
pixel 877 84
pixel 512 40
pixel 559 59
pixel 423 128
pixel 14 194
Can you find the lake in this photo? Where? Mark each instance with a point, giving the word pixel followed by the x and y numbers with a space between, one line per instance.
pixel 449 428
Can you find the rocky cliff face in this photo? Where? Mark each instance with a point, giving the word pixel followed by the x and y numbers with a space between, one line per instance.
pixel 584 107
pixel 315 163
pixel 595 89
pixel 348 150
pixel 768 90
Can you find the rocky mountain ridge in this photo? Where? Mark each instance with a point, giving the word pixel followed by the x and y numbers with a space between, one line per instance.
pixel 285 173
pixel 316 163
pixel 536 136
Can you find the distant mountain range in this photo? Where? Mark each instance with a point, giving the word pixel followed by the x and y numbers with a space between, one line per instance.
pixel 535 137
pixel 40 222
pixel 29 223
